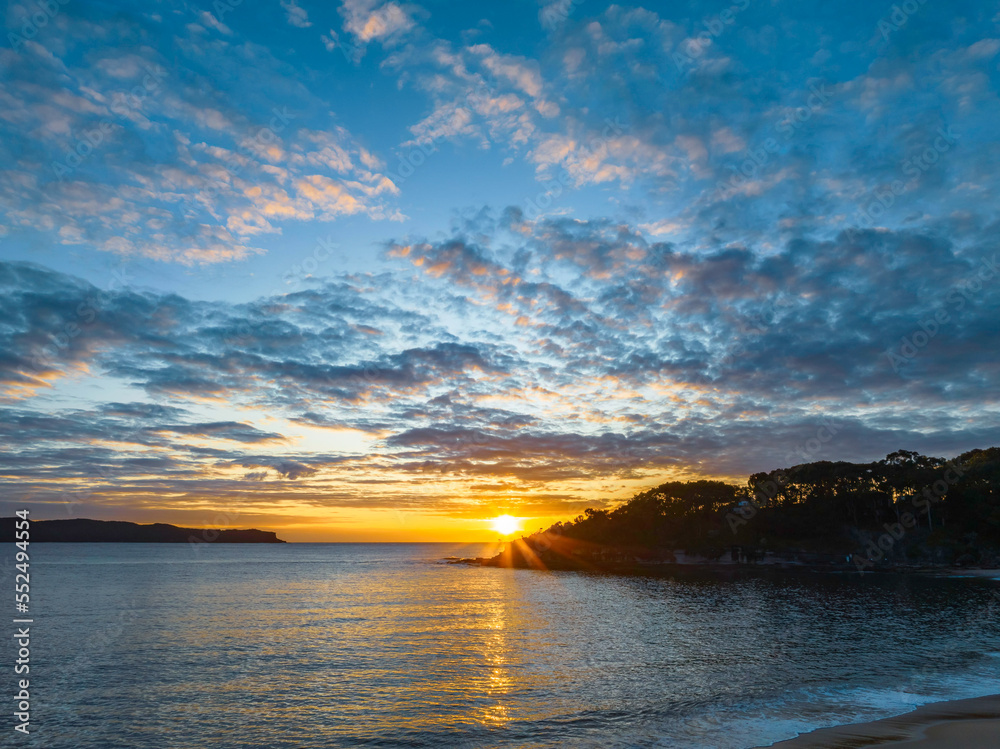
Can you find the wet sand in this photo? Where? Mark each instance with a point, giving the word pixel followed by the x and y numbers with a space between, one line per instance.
pixel 969 724
pixel 991 574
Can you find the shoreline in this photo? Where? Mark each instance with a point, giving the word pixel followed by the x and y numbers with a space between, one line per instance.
pixel 723 568
pixel 971 723
pixel 556 551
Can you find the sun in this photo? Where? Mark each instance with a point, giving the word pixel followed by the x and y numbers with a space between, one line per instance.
pixel 505 525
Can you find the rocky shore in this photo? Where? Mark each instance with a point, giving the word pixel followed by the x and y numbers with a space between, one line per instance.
pixel 547 551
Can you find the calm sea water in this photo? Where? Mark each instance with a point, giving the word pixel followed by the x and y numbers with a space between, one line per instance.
pixel 380 645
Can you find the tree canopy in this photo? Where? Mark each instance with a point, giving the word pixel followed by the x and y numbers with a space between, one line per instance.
pixel 947 507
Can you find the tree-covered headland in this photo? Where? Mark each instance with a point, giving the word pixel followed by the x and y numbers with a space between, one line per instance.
pixel 904 510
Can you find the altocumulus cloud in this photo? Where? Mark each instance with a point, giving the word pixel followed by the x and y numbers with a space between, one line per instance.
pixel 694 273
pixel 137 148
pixel 619 357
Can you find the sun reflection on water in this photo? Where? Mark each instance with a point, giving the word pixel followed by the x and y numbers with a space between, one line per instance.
pixel 496 656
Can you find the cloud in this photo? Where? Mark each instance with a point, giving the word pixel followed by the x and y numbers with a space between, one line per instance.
pixel 226 430
pixel 556 354
pixel 288 469
pixel 371 21
pixel 296 15
pixel 701 273
pixel 330 40
pixel 521 73
pixel 212 22
pixel 120 153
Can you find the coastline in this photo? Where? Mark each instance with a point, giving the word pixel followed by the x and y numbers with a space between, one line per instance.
pixel 555 553
pixel 972 723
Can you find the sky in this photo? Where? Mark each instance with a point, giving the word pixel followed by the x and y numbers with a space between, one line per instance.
pixel 383 271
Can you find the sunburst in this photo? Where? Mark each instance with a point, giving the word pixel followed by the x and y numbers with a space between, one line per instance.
pixel 505 525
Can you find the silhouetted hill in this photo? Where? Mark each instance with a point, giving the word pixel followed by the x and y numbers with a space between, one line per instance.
pixel 907 510
pixel 82 530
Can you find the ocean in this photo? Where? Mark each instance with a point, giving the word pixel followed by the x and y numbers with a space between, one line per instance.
pixel 383 645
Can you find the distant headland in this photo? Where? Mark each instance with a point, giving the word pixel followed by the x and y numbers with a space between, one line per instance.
pixel 81 530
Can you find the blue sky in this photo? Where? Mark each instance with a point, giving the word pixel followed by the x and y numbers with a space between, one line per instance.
pixel 377 269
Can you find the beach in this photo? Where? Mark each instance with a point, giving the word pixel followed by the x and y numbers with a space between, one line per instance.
pixel 970 724
pixel 989 574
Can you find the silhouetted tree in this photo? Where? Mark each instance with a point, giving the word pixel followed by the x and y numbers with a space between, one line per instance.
pixel 821 505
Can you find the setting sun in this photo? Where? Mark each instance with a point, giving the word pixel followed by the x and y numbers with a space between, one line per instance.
pixel 505 525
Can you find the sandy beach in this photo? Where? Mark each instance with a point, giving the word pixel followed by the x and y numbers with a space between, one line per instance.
pixel 969 724
pixel 959 572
